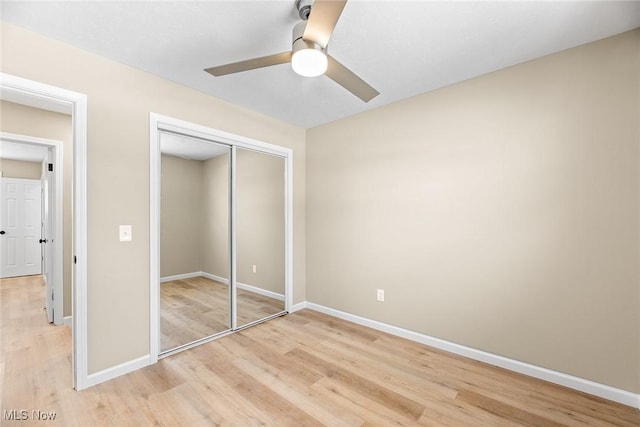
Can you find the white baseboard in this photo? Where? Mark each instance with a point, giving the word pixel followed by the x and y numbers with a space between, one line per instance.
pixel 570 381
pixel 116 371
pixel 576 383
pixel 214 277
pixel 180 276
pixel 298 306
pixel 67 320
pixel 260 291
pixel 244 286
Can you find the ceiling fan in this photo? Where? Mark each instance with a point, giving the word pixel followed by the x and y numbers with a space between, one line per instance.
pixel 308 55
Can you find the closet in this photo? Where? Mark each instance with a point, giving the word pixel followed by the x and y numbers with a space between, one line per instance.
pixel 221 208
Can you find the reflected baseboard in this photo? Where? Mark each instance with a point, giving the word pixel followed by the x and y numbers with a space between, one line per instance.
pixel 214 277
pixel 260 291
pixel 181 276
pixel 243 286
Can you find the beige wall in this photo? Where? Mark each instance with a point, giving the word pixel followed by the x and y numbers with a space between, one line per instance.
pixel 195 218
pixel 181 214
pixel 260 220
pixel 20 169
pixel 23 120
pixel 119 101
pixel 215 247
pixel 501 213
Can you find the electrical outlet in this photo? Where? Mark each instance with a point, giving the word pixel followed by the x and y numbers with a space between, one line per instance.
pixel 255 268
pixel 380 295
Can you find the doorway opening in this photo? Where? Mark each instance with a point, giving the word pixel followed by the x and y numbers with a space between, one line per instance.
pixel 39 95
pixel 31 215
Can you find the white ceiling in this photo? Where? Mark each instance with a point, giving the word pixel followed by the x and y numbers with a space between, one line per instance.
pixel 190 148
pixel 402 48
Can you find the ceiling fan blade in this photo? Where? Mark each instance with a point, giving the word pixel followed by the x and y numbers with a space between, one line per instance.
pixel 347 79
pixel 322 20
pixel 250 64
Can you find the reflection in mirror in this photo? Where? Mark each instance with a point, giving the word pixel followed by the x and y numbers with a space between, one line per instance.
pixel 194 240
pixel 260 235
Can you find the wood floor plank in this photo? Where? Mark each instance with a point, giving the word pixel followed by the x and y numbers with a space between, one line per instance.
pixel 504 410
pixel 282 363
pixel 394 375
pixel 456 413
pixel 520 389
pixel 361 385
pixel 280 410
pixel 218 394
pixel 305 368
pixel 297 397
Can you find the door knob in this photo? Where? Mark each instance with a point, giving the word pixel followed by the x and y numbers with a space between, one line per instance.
pixel 43 240
pixel 2 232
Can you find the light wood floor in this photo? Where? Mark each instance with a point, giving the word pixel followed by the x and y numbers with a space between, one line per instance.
pixel 195 308
pixel 302 369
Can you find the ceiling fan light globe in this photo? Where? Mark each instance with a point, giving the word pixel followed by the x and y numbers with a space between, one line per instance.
pixel 309 62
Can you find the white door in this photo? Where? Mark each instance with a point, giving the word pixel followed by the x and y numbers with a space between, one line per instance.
pixel 48 209
pixel 20 222
pixel 47 248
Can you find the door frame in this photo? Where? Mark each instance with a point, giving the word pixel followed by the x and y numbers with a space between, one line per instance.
pixel 158 123
pixel 39 95
pixel 57 235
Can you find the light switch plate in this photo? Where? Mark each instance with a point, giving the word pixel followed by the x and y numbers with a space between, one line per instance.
pixel 125 233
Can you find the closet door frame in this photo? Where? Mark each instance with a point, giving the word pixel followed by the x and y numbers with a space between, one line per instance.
pixel 159 123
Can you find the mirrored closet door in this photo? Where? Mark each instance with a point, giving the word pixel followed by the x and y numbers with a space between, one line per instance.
pixel 260 235
pixel 222 223
pixel 195 298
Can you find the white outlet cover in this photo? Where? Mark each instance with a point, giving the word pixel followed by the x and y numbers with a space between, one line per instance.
pixel 125 233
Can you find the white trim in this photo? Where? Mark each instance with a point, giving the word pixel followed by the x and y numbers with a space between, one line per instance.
pixel 154 240
pixel 58 218
pixel 299 306
pixel 214 277
pixel 570 381
pixel 45 101
pixel 159 123
pixel 260 291
pixel 67 321
pixel 118 370
pixel 288 230
pixel 240 285
pixel 57 232
pixel 233 268
pixel 180 276
pixel 183 127
pixel 52 98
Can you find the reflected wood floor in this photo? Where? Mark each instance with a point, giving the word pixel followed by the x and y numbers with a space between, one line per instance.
pixel 195 308
pixel 302 369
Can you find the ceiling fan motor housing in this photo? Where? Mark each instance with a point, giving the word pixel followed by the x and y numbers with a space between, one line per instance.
pixel 304 8
pixel 299 43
